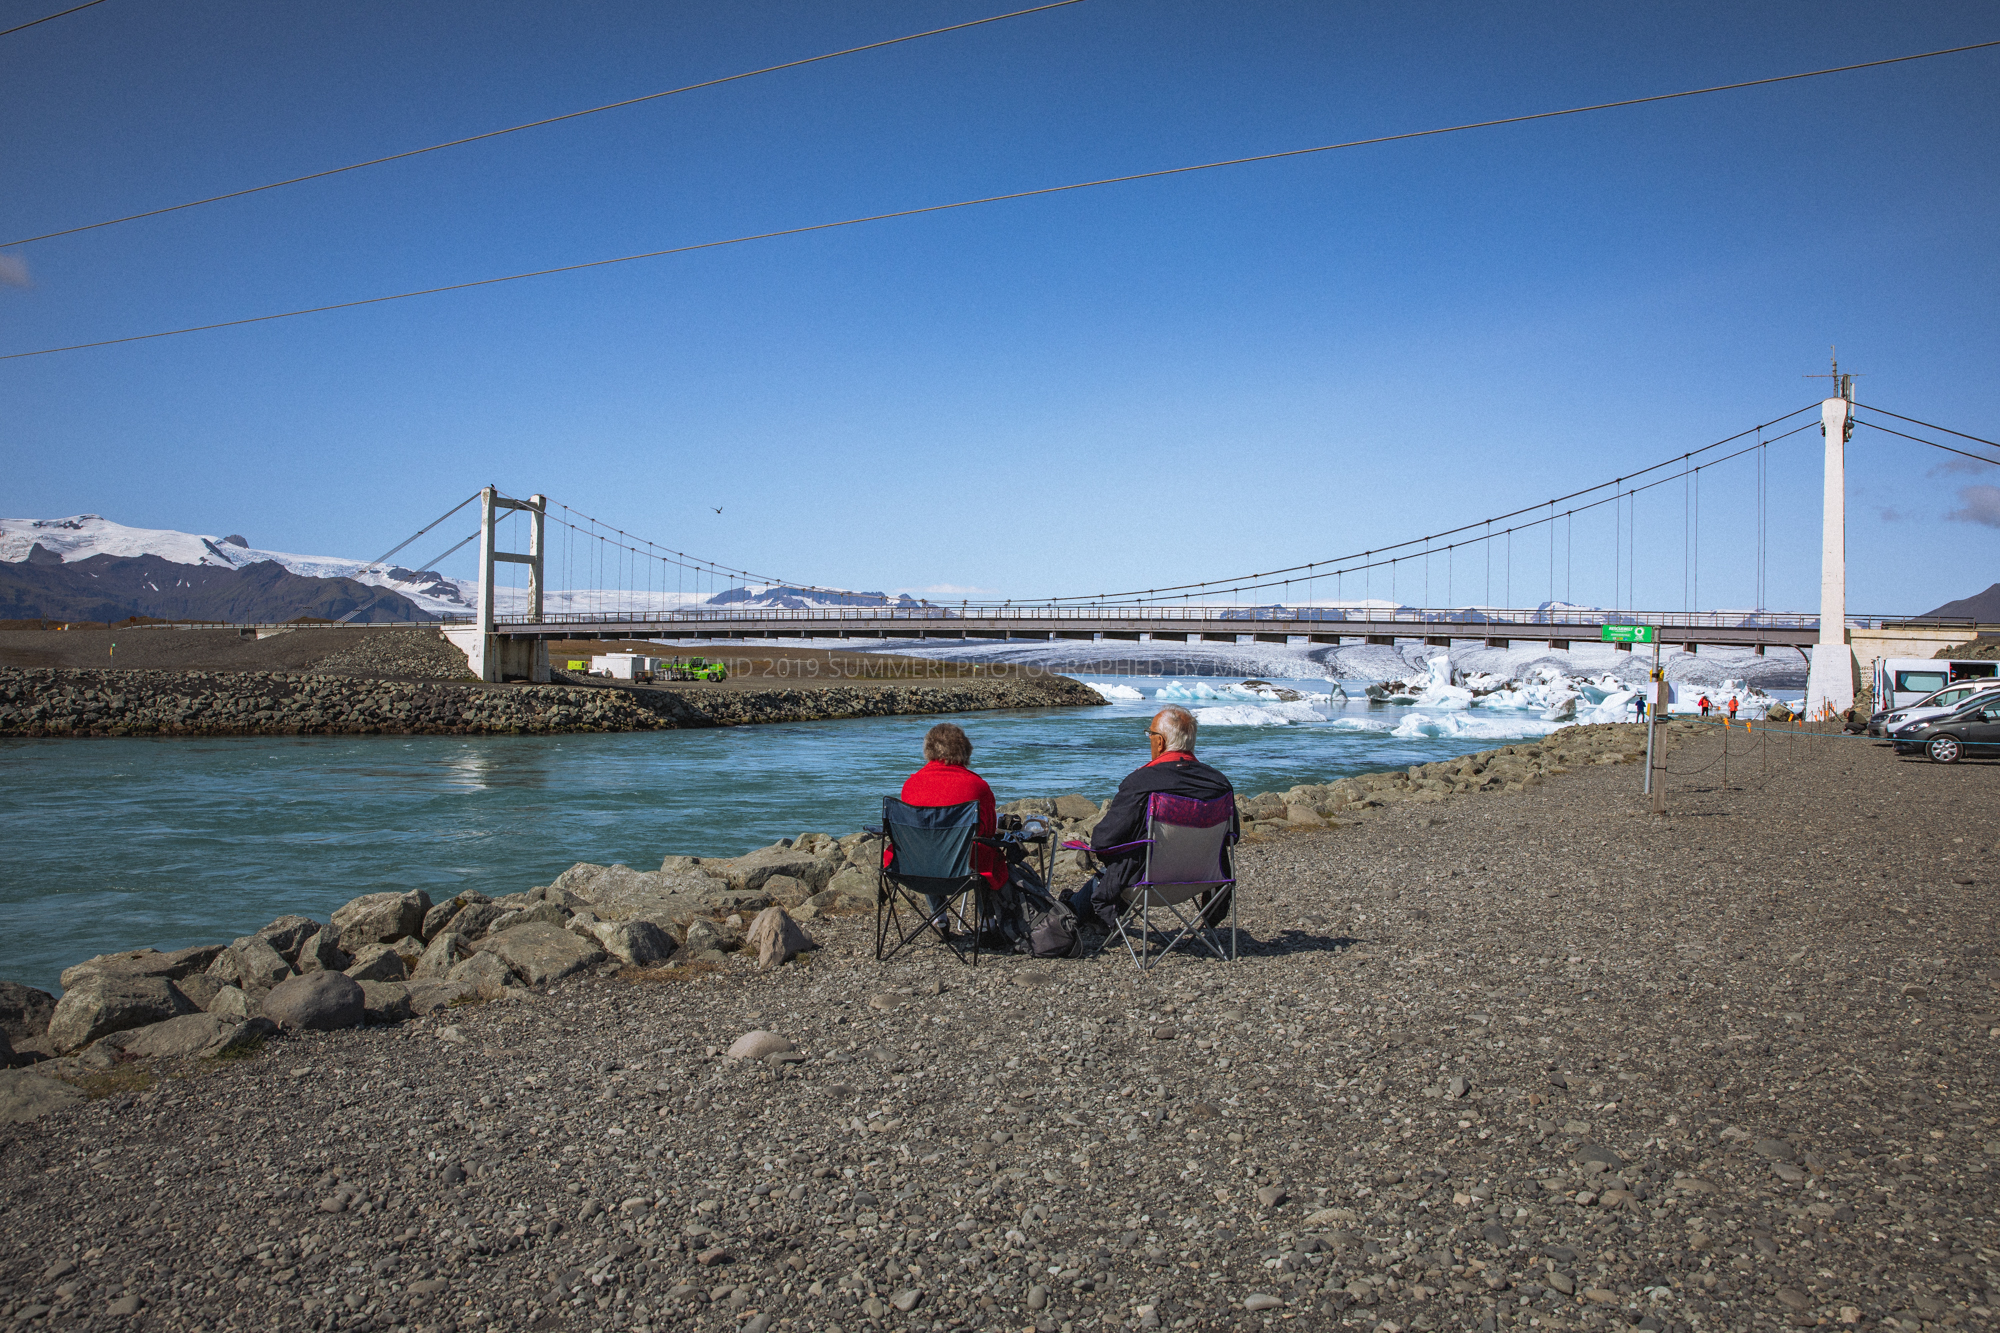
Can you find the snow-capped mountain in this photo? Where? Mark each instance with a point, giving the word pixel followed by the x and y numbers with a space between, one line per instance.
pixel 84 535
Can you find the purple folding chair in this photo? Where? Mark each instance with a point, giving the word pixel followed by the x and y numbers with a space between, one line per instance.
pixel 1190 860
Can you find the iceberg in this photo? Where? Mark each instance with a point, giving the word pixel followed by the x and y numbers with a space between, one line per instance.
pixel 1258 715
pixel 1455 725
pixel 1119 693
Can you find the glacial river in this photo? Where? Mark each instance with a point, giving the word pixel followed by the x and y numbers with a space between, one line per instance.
pixel 117 844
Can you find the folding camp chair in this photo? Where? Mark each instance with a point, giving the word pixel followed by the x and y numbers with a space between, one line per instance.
pixel 929 873
pixel 1190 867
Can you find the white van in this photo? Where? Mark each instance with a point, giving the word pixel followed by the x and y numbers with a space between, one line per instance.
pixel 1903 681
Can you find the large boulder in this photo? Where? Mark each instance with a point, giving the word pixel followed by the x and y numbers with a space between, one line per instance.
pixel 378 962
pixel 231 1002
pixel 385 1001
pixel 322 953
pixel 144 963
pixel 674 893
pixel 202 988
pixel 99 1005
pixel 748 873
pixel 486 974
pixel 852 887
pixel 446 950
pixel 428 997
pixel 705 936
pixel 380 918
pixel 777 938
pixel 438 916
pixel 541 953
pixel 316 1001
pixel 207 1035
pixel 25 1014
pixel 288 933
pixel 250 963
pixel 473 920
pixel 27 1096
pixel 634 943
pixel 786 891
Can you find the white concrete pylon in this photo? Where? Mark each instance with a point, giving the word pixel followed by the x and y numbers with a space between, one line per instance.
pixel 1830 683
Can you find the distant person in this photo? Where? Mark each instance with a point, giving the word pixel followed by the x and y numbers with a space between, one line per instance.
pixel 1173 770
pixel 1732 708
pixel 945 779
pixel 1704 705
pixel 1640 704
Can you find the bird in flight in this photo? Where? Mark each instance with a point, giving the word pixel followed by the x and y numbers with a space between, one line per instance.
pixel 717 510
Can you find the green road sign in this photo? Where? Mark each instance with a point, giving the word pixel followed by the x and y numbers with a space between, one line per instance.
pixel 1629 634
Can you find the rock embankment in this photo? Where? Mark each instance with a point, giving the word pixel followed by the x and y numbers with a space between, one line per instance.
pixel 262 703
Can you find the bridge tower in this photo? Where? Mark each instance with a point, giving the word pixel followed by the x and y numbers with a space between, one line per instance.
pixel 1830 683
pixel 493 657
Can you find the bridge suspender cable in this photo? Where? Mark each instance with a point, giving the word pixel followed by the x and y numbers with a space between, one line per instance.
pixel 384 557
pixel 993 199
pixel 516 129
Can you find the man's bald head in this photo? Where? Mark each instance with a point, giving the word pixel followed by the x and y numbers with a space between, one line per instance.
pixel 1175 726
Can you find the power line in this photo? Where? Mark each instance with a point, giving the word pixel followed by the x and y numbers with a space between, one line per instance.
pixel 4 32
pixel 991 199
pixel 530 125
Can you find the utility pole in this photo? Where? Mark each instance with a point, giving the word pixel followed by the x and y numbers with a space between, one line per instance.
pixel 1656 782
pixel 1830 682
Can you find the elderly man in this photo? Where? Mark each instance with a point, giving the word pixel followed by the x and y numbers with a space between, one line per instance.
pixel 1173 770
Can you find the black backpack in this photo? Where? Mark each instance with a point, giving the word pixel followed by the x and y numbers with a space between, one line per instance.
pixel 1047 926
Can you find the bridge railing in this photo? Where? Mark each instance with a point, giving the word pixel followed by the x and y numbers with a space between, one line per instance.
pixel 1307 618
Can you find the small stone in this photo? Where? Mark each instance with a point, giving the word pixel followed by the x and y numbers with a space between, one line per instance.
pixel 333 1204
pixel 1559 1080
pixel 1165 1032
pixel 428 1288
pixel 124 1306
pixel 634 1206
pixel 907 1299
pixel 455 1175
pixel 712 1258
pixel 1038 1297
pixel 57 1271
pixel 1563 1283
pixel 1776 1149
pixel 1459 1087
pixel 1915 992
pixel 1600 1296
pixel 885 1002
pixel 1795 1298
pixel 1494 1234
pixel 1256 1301
pixel 1595 1154
pixel 1270 1196
pixel 756 1044
pixel 1788 1172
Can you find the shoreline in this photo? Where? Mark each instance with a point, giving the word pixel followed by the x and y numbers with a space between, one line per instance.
pixel 66 703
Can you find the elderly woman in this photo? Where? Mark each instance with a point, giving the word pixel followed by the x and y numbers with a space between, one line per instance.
pixel 945 779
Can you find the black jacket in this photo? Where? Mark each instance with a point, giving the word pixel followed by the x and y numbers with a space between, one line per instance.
pixel 1125 820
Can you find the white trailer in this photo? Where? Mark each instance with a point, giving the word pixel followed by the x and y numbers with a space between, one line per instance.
pixel 625 666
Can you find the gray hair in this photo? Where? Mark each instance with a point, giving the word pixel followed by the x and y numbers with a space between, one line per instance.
pixel 1176 727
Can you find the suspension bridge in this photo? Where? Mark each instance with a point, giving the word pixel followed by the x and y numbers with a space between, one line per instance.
pixel 579 578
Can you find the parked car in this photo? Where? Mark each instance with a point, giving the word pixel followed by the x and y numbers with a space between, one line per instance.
pixel 1935 704
pixel 1972 729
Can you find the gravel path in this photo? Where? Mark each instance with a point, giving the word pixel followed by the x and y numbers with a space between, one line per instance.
pixel 1501 1060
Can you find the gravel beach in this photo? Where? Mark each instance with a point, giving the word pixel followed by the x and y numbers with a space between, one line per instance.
pixel 1512 1058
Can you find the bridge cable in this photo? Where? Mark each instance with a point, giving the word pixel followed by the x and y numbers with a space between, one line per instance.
pixel 515 129
pixel 18 27
pixel 1001 198
pixel 1929 425
pixel 383 558
pixel 1932 443
pixel 1222 585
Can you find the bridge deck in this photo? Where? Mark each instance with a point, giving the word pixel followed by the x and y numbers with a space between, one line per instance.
pixel 856 623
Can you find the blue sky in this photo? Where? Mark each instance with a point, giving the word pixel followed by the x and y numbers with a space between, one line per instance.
pixel 1135 385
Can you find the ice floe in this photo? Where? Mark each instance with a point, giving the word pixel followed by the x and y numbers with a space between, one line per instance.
pixel 1258 715
pixel 1122 693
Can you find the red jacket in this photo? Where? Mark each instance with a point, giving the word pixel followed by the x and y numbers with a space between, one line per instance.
pixel 954 784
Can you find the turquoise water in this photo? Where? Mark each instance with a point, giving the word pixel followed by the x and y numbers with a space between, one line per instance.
pixel 118 844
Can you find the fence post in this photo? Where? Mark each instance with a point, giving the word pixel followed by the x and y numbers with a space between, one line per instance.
pixel 1657 781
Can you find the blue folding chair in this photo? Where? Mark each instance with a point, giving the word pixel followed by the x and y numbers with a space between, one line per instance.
pixel 929 874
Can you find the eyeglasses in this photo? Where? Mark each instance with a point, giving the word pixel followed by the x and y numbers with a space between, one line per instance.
pixel 1161 734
